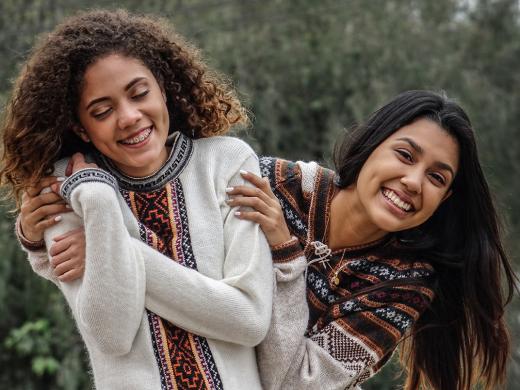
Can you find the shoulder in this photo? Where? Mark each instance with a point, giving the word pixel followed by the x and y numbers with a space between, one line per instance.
pixel 301 174
pixel 223 146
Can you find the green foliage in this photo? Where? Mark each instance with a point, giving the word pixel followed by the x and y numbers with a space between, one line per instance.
pixel 307 69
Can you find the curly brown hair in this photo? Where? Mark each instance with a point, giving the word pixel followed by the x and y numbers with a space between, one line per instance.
pixel 42 111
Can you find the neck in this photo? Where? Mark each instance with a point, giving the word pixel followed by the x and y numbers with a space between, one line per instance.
pixel 349 224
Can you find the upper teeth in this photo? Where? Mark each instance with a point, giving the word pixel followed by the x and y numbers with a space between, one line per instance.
pixel 391 195
pixel 138 138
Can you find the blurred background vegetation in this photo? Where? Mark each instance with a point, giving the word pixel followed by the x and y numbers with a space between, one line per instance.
pixel 307 70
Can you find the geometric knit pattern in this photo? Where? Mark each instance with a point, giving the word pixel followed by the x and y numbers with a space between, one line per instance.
pixel 361 301
pixel 185 359
pixel 356 358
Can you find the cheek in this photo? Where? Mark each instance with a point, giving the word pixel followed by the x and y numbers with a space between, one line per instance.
pixel 433 201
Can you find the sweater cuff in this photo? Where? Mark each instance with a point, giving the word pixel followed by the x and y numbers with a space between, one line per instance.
pixel 83 176
pixel 33 246
pixel 287 251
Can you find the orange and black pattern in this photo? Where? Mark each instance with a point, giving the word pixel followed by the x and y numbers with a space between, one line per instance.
pixel 185 359
pixel 358 328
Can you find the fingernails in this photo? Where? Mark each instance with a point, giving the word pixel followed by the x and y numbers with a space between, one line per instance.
pixel 61 178
pixel 229 201
pixel 242 172
pixel 237 213
pixel 57 219
pixel 68 206
pixel 229 189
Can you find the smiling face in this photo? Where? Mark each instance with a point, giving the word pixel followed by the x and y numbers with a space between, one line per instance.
pixel 123 112
pixel 406 177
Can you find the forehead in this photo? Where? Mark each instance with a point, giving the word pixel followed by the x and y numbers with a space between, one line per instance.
pixel 437 144
pixel 112 72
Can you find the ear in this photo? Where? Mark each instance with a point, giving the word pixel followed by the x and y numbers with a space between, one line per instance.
pixel 81 133
pixel 447 195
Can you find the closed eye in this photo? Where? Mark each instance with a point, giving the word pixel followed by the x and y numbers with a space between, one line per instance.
pixel 103 114
pixel 141 95
pixel 405 154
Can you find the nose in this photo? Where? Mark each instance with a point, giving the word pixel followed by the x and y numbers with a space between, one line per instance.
pixel 412 180
pixel 128 115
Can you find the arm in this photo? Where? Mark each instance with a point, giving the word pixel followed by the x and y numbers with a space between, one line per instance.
pixel 339 351
pixel 287 358
pixel 108 302
pixel 236 308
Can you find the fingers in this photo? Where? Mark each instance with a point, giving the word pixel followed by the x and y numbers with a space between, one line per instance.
pixel 69 270
pixel 57 251
pixel 253 216
pixel 73 238
pixel 71 275
pixel 38 187
pixel 69 233
pixel 257 181
pixel 68 255
pixel 251 192
pixel 253 202
pixel 78 162
pixel 39 213
pixel 69 264
pixel 49 211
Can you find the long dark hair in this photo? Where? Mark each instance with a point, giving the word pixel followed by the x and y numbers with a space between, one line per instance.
pixel 462 338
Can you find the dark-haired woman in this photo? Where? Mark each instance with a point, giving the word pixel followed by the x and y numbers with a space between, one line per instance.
pixel 176 292
pixel 400 245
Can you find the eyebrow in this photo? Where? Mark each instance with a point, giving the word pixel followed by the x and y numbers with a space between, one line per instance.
pixel 420 150
pixel 127 87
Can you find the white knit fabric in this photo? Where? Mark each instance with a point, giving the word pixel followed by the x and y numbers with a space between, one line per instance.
pixel 228 300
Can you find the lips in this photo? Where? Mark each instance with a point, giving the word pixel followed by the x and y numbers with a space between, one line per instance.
pixel 135 139
pixel 397 200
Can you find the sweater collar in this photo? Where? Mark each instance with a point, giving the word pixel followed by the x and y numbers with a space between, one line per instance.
pixel 180 154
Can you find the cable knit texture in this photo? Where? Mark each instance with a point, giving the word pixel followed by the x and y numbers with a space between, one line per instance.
pixel 176 290
pixel 321 336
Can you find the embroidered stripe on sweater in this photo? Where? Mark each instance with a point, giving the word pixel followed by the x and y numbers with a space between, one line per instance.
pixel 359 329
pixel 185 359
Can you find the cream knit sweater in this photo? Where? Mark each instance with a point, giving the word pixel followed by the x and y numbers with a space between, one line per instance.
pixel 226 300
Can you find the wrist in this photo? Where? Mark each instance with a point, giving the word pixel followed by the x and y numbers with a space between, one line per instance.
pixel 31 245
pixel 287 251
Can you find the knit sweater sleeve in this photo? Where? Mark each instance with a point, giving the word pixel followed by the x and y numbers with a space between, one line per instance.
pixel 353 340
pixel 236 308
pixel 354 337
pixel 287 358
pixel 108 301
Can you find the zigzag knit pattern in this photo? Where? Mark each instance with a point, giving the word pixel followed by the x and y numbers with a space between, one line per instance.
pixel 185 359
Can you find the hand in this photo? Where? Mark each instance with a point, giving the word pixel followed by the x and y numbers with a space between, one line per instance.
pixel 39 211
pixel 68 255
pixel 76 163
pixel 267 210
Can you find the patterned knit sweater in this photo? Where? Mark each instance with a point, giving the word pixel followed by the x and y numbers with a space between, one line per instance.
pixel 334 339
pixel 176 290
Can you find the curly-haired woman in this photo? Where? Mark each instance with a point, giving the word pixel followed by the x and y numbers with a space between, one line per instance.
pixel 176 292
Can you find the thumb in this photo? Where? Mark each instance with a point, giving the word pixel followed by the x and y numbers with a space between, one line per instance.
pixel 77 161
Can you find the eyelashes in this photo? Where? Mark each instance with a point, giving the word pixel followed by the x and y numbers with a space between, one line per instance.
pixel 105 113
pixel 407 158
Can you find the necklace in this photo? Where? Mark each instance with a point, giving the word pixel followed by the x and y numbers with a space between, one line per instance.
pixel 335 279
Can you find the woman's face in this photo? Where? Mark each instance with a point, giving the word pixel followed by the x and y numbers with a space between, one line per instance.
pixel 123 112
pixel 406 178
